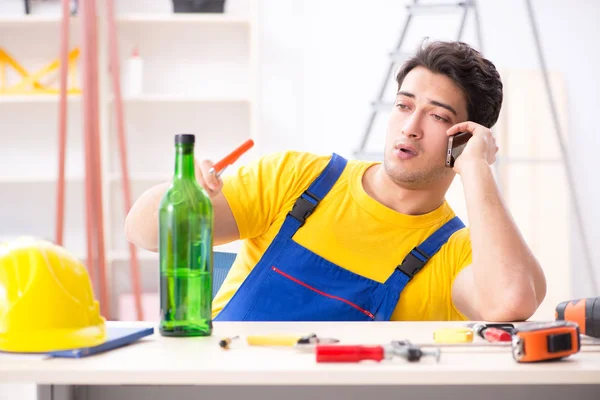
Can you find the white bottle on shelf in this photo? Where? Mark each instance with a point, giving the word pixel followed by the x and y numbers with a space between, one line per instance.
pixel 134 75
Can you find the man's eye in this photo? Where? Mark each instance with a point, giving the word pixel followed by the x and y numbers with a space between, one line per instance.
pixel 438 118
pixel 402 106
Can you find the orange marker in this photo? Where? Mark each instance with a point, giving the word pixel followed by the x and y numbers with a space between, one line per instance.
pixel 232 157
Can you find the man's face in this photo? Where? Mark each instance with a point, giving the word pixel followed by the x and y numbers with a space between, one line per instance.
pixel 426 106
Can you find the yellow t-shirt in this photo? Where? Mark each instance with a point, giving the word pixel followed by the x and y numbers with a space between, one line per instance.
pixel 348 228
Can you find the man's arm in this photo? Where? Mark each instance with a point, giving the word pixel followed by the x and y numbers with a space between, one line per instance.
pixel 141 224
pixel 505 281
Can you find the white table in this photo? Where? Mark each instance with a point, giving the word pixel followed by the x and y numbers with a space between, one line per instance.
pixel 152 368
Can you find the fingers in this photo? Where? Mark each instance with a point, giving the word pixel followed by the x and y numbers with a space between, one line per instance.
pixel 207 179
pixel 466 126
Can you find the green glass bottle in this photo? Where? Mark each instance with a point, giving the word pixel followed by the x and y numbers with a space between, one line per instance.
pixel 186 222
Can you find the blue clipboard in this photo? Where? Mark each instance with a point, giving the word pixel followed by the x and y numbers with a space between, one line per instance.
pixel 115 338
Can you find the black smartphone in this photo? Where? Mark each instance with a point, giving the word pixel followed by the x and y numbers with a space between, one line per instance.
pixel 456 145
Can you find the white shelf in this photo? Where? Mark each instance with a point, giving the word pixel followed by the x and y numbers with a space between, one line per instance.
pixel 27 20
pixel 193 18
pixel 147 98
pixel 35 98
pixel 38 179
pixel 174 98
pixel 151 18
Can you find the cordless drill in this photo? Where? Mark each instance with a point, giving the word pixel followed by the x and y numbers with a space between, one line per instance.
pixel 584 312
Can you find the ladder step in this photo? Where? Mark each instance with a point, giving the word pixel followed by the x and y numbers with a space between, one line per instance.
pixel 436 8
pixel 382 106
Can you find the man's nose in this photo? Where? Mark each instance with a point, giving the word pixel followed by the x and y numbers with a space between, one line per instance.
pixel 412 128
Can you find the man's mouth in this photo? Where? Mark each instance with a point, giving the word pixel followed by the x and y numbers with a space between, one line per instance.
pixel 409 150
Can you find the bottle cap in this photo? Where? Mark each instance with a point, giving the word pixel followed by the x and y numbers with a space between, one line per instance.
pixel 185 138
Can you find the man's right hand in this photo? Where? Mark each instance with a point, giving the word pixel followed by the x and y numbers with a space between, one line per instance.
pixel 208 180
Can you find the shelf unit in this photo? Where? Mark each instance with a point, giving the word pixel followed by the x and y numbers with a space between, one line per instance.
pixel 200 76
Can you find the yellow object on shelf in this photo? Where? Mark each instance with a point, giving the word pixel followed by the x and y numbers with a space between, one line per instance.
pixel 46 299
pixel 453 335
pixel 273 340
pixel 30 82
pixel 287 340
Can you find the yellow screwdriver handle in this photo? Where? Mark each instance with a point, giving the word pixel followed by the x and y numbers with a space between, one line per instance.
pixel 272 340
pixel 453 335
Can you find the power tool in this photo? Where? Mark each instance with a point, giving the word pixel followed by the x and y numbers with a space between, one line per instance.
pixel 584 312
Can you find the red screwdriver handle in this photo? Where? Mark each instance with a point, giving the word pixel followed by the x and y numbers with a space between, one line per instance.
pixel 497 335
pixel 336 353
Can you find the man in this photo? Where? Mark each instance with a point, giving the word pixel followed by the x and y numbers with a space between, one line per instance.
pixel 330 239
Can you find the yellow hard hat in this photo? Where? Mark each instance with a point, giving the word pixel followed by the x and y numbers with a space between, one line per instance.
pixel 46 299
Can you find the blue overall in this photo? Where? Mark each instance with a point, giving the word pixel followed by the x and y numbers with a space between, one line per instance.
pixel 291 283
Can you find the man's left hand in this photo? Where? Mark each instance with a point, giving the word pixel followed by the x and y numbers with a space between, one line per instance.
pixel 481 147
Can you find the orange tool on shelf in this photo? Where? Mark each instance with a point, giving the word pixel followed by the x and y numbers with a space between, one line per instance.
pixel 545 341
pixel 232 157
pixel 31 83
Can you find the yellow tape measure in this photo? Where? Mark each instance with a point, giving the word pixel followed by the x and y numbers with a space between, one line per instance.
pixel 453 335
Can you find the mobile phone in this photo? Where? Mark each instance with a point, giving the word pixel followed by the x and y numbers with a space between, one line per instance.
pixel 456 145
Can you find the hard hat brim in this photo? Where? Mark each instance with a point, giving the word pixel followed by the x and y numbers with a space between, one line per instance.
pixel 43 341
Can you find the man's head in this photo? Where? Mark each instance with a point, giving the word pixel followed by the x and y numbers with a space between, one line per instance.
pixel 443 84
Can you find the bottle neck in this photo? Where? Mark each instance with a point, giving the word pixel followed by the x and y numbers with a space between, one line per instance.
pixel 184 161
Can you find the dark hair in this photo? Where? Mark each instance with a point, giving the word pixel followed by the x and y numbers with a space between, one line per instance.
pixel 476 76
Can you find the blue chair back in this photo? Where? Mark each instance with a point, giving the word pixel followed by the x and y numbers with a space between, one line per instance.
pixel 222 262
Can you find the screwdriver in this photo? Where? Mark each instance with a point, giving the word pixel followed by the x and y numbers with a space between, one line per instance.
pixel 357 353
pixel 453 335
pixel 224 343
pixel 493 332
pixel 496 335
pixel 306 341
pixel 232 157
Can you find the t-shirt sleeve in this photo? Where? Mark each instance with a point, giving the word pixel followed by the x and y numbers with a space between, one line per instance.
pixel 259 191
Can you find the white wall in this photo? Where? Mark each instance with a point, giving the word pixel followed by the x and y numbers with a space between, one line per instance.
pixel 324 61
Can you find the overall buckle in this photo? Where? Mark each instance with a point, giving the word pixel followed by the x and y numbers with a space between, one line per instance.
pixel 303 207
pixel 412 263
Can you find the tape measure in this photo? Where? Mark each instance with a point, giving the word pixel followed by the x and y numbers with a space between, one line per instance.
pixel 533 342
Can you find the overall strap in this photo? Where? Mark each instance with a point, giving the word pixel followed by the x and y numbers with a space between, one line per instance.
pixel 308 201
pixel 416 259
